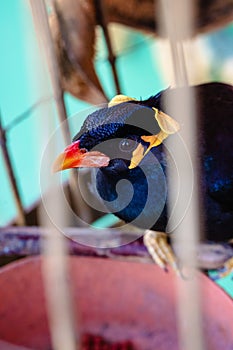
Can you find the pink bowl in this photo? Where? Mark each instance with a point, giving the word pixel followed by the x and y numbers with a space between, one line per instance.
pixel 118 301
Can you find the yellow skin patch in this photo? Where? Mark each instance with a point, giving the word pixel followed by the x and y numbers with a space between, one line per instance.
pixel 137 156
pixel 168 126
pixel 120 99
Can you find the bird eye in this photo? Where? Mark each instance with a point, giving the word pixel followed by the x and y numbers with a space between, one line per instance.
pixel 127 145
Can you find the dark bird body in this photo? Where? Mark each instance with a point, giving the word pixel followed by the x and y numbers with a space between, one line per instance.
pixel 141 198
pixel 216 142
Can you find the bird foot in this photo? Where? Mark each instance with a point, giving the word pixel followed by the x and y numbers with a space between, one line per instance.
pixel 160 250
pixel 225 270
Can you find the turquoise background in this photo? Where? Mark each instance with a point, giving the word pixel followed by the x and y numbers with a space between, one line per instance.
pixel 21 65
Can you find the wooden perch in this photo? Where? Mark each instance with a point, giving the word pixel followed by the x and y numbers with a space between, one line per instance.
pixel 26 241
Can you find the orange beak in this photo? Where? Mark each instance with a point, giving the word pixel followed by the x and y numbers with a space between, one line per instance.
pixel 76 157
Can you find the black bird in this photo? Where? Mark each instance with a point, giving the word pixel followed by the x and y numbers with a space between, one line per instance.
pixel 126 142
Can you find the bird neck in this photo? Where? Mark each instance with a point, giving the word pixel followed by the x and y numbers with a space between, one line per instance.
pixel 137 196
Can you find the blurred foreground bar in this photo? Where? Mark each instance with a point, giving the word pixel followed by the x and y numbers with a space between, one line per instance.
pixel 185 219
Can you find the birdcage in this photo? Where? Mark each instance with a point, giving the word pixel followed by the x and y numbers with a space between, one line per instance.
pixel 79 279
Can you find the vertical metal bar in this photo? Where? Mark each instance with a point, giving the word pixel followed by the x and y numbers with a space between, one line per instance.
pixel 101 18
pixel 52 65
pixel 54 262
pixel 178 28
pixel 21 220
pixel 51 62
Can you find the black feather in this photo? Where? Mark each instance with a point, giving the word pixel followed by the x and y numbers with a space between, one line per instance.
pixel 136 118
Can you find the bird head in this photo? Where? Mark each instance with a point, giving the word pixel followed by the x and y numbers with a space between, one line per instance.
pixel 118 137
